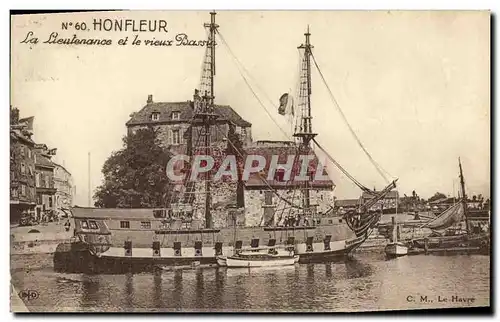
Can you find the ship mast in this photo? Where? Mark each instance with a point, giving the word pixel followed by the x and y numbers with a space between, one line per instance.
pixel 464 196
pixel 205 111
pixel 304 130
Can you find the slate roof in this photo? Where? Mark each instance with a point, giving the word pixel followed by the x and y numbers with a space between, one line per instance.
pixel 165 109
pixel 391 194
pixel 43 161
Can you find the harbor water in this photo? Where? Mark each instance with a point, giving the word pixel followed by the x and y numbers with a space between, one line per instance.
pixel 366 282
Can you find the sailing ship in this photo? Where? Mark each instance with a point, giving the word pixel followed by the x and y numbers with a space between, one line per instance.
pixel 451 230
pixel 117 240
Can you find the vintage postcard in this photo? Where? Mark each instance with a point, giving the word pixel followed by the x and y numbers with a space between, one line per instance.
pixel 250 161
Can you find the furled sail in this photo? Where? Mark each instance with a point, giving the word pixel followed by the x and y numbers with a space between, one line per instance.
pixel 448 218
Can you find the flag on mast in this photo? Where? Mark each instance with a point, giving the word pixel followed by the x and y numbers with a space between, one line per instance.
pixel 286 105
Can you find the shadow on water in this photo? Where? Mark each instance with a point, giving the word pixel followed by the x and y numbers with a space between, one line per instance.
pixel 91 285
pixel 158 293
pixel 357 269
pixel 128 299
pixel 354 284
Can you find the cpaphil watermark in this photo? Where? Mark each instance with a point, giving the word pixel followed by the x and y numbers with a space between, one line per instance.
pixel 303 168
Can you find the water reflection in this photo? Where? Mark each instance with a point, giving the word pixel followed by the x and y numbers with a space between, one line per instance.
pixel 357 269
pixel 90 289
pixel 128 297
pixel 158 292
pixel 176 295
pixel 355 284
pixel 328 270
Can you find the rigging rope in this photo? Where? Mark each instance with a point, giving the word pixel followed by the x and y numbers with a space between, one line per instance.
pixel 379 169
pixel 241 69
pixel 260 176
pixel 347 174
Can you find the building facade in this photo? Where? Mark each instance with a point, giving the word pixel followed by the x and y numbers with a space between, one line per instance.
pixel 63 183
pixel 44 181
pixel 263 207
pixel 22 168
pixel 388 204
pixel 173 120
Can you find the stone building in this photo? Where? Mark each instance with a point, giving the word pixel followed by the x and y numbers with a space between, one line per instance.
pixel 262 206
pixel 63 183
pixel 44 181
pixel 388 204
pixel 173 120
pixel 22 168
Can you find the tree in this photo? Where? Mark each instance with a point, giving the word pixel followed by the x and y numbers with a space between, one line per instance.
pixel 135 176
pixel 437 196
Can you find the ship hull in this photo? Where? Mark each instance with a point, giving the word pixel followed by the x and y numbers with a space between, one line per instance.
pixel 116 261
pixel 452 245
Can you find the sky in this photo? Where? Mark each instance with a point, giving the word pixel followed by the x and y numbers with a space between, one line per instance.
pixel 415 87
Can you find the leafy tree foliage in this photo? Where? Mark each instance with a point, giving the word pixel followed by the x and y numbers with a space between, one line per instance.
pixel 135 176
pixel 437 196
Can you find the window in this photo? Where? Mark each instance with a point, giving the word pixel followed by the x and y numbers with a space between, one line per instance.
pixel 124 224
pixel 85 224
pixel 34 157
pixel 159 213
pixel 145 224
pixel 29 153
pixel 50 202
pixel 37 179
pixel 176 139
pixel 176 115
pixel 47 178
pixel 23 168
pixel 38 199
pixel 155 116
pixel 93 224
pixel 23 190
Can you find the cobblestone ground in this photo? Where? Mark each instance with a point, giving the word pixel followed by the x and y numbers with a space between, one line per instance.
pixel 44 231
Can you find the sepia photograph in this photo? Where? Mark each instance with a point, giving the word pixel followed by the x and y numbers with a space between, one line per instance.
pixel 250 161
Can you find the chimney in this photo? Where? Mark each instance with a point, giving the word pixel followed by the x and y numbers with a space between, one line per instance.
pixel 150 99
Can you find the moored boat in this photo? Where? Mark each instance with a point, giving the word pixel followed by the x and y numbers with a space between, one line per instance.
pixel 396 249
pixel 448 235
pixel 260 260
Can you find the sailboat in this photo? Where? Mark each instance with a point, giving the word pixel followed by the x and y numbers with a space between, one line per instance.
pixel 185 231
pixel 451 230
pixel 395 248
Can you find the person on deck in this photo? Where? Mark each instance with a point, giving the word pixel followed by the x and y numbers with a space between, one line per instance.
pixel 67 225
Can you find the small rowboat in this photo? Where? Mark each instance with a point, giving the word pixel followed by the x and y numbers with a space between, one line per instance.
pixel 396 249
pixel 259 254
pixel 260 260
